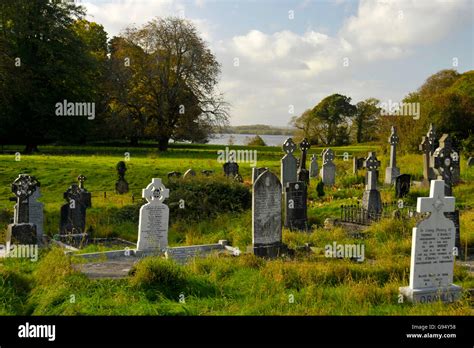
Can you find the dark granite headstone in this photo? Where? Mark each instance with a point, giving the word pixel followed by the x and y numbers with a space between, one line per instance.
pixel 303 173
pixel 73 213
pixel 121 186
pixel 231 169
pixel 454 217
pixel 402 185
pixel 22 233
pixel 296 217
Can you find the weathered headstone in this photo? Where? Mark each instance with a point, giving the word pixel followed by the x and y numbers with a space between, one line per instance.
pixel 428 171
pixel 328 169
pixel 313 167
pixel 371 200
pixel 288 162
pixel 36 213
pixel 207 172
pixel 432 257
pixel 402 185
pixel 22 231
pixel 470 162
pixel 454 217
pixel 392 171
pixel 456 167
pixel 443 163
pixel 357 164
pixel 189 173
pixel 266 215
pixel 154 218
pixel 296 217
pixel 121 186
pixel 231 169
pixel 73 213
pixel 431 135
pixel 256 172
pixel 302 173
pixel 174 175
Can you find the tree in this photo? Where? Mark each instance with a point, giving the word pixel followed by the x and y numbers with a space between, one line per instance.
pixel 171 82
pixel 328 121
pixel 366 120
pixel 43 62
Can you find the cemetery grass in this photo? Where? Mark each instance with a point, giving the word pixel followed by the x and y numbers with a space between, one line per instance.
pixel 307 284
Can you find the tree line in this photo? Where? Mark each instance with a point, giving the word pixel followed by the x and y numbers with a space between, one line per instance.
pixel 446 100
pixel 157 81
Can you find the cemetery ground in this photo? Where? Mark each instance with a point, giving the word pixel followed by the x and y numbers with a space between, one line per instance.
pixel 307 283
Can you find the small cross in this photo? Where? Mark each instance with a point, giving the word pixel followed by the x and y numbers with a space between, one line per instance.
pixel 393 139
pixel 24 186
pixel 437 202
pixel 305 145
pixel 289 146
pixel 155 191
pixel 371 162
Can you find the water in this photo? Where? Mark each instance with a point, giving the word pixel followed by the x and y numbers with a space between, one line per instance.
pixel 242 139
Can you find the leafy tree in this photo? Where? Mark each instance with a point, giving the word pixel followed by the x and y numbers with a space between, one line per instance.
pixel 366 120
pixel 43 62
pixel 171 81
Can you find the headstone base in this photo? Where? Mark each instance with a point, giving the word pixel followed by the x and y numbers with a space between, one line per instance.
pixel 269 250
pixel 372 202
pixel 448 294
pixel 21 234
pixel 390 174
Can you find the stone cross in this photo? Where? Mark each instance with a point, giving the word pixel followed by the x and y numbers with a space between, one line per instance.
pixel 303 174
pixel 425 148
pixel 288 163
pixel 328 169
pixel 431 136
pixel 73 213
pixel 432 253
pixel 23 187
pixel 443 162
pixel 392 171
pixel 154 218
pixel 371 200
pixel 81 179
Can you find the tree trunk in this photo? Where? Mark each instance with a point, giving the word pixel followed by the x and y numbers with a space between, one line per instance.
pixel 163 143
pixel 31 148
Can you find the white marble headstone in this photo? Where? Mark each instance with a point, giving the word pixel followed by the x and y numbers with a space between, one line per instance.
pixel 433 250
pixel 154 218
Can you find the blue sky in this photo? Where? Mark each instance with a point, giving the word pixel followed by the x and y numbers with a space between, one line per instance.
pixel 291 54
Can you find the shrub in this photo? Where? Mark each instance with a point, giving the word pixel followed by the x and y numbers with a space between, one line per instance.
pixel 256 141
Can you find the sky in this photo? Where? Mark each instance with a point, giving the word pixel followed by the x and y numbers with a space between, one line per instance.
pixel 279 58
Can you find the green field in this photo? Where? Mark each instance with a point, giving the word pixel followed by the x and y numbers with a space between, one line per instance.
pixel 308 284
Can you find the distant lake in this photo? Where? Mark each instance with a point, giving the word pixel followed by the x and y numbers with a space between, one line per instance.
pixel 242 139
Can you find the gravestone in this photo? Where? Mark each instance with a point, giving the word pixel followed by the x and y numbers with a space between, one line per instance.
pixel 371 200
pixel 73 213
pixel 470 162
pixel 256 172
pixel 444 164
pixel 402 185
pixel 121 186
pixel 207 172
pixel 428 171
pixel 296 217
pixel 313 167
pixel 189 173
pixel 431 136
pixel 36 213
pixel 22 231
pixel 231 169
pixel 454 217
pixel 357 164
pixel 392 171
pixel 174 175
pixel 302 173
pixel 456 168
pixel 266 215
pixel 154 218
pixel 432 259
pixel 288 162
pixel 328 169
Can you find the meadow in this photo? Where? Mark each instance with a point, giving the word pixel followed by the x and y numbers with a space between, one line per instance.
pixel 305 284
